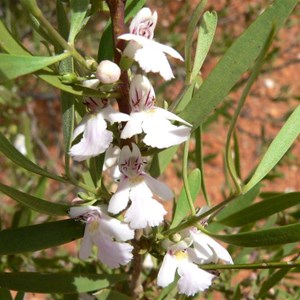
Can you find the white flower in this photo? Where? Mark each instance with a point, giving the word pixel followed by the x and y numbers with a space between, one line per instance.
pixel 150 55
pixel 108 72
pixel 96 138
pixel 154 121
pixel 139 187
pixel 192 247
pixel 111 161
pixel 207 250
pixel 106 233
pixel 192 278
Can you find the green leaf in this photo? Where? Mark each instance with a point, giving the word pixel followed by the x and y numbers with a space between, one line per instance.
pixel 189 37
pixel 13 66
pixel 10 45
pixel 111 295
pixel 35 203
pixel 238 204
pixel 106 48
pixel 262 209
pixel 205 37
pixel 182 205
pixel 15 156
pixel 63 283
pixel 184 99
pixel 79 9
pixel 96 167
pixel 41 236
pixel 161 160
pixel 8 42
pixel 237 60
pixel 271 281
pixel 282 142
pixel 261 238
pixel 5 294
pixel 68 111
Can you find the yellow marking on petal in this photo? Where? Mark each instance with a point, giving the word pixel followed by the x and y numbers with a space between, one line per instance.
pixel 181 255
pixel 136 179
pixel 150 111
pixel 93 227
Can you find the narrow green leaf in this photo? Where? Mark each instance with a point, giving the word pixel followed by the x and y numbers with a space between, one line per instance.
pixel 41 236
pixel 62 283
pixel 184 99
pixel 62 21
pixel 79 9
pixel 279 146
pixel 5 294
pixel 8 42
pixel 106 48
pixel 96 167
pixel 261 238
pixel 20 296
pixel 189 37
pixel 271 281
pixel 13 66
pixel 10 45
pixel 68 111
pixel 111 295
pixel 262 210
pixel 205 37
pixel 35 203
pixel 238 204
pixel 15 156
pixel 237 60
pixel 161 160
pixel 182 205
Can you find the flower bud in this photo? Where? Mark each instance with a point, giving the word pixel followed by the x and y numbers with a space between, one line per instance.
pixel 108 72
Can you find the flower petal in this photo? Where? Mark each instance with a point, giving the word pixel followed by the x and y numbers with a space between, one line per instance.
pixel 96 139
pixel 80 210
pixel 139 217
pixel 80 127
pixel 133 126
pixel 116 229
pixel 201 246
pixel 193 279
pixel 170 116
pixel 219 251
pixel 169 135
pixel 113 116
pixel 86 244
pixel 172 52
pixel 113 253
pixel 158 188
pixel 120 199
pixel 157 64
pixel 166 274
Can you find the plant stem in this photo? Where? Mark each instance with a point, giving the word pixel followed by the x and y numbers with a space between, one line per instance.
pixel 251 80
pixel 199 161
pixel 263 265
pixel 37 13
pixel 117 12
pixel 191 221
pixel 185 177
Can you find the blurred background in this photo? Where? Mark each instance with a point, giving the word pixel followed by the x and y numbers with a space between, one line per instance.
pixel 30 116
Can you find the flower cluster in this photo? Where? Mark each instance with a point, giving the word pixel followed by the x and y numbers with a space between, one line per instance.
pixel 135 200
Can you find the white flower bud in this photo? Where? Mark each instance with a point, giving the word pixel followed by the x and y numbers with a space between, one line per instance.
pixel 108 72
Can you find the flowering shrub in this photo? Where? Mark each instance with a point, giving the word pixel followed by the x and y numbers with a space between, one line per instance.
pixel 122 141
